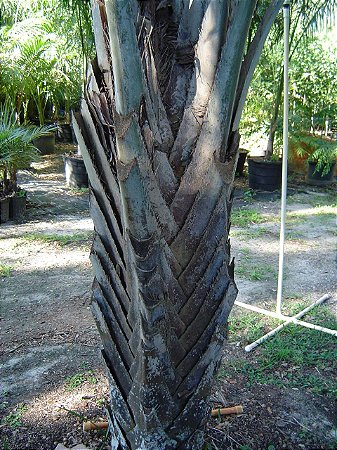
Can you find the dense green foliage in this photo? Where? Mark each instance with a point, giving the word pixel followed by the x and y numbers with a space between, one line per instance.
pixel 314 85
pixel 42 55
pixel 313 81
pixel 17 150
pixel 313 88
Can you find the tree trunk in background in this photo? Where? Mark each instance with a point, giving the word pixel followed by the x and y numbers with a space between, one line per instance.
pixel 309 14
pixel 273 124
pixel 158 134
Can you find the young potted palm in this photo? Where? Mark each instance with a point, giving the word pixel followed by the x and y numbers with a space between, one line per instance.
pixel 36 74
pixel 320 153
pixel 41 83
pixel 51 83
pixel 17 151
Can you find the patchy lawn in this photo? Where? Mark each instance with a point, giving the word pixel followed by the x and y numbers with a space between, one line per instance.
pixel 51 373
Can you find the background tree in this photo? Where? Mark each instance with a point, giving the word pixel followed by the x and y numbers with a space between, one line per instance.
pixel 313 94
pixel 313 85
pixel 158 130
pixel 312 90
pixel 305 19
pixel 259 106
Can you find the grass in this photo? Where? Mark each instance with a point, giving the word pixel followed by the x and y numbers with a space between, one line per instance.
pixel 243 217
pixel 294 236
pixel 13 419
pixel 79 191
pixel 5 444
pixel 328 199
pixel 318 211
pixel 249 268
pixel 5 270
pixel 250 233
pixel 248 195
pixel 296 357
pixel 79 379
pixel 262 272
pixel 100 402
pixel 249 326
pixel 60 239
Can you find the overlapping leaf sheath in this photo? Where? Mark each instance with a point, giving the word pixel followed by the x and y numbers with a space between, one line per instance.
pixel 156 133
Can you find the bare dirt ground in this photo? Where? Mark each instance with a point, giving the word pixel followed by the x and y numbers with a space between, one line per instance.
pixel 51 374
pixel 49 343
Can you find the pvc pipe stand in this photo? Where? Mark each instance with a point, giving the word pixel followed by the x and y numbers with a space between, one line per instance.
pixel 278 314
pixel 287 320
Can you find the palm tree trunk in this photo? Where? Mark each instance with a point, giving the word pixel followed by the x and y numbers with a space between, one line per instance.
pixel 158 133
pixel 273 123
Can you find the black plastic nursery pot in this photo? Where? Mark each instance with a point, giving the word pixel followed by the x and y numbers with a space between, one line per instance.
pixel 4 209
pixel 46 143
pixel 64 132
pixel 264 175
pixel 76 173
pixel 315 177
pixel 17 207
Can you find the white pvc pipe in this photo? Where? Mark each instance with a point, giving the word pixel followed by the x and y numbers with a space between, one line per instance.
pixel 286 20
pixel 293 320
pixel 290 319
pixel 281 316
pixel 314 327
pixel 278 314
pixel 257 309
pixel 287 321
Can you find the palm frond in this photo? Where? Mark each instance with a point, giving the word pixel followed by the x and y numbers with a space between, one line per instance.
pixel 17 149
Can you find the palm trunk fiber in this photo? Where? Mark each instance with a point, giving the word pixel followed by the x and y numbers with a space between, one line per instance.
pixel 158 133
